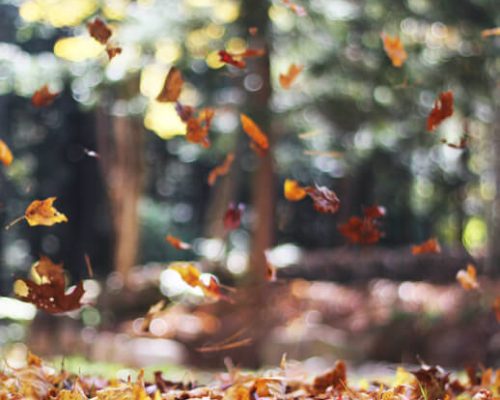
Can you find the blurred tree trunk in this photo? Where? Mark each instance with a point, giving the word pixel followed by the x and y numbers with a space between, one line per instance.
pixel 121 155
pixel 255 15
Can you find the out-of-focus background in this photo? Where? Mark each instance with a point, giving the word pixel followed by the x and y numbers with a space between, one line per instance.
pixel 351 122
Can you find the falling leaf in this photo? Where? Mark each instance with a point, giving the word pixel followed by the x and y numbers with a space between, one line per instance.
pixel 462 144
pixel 394 49
pixel 429 246
pixel 238 60
pixel 298 10
pixel 490 32
pixel 362 231
pixel 184 112
pixel 198 127
pixel 260 143
pixel 496 308
pixel 6 156
pixel 468 278
pixel 99 30
pixel 177 243
pixel 47 290
pixel 172 87
pixel 286 80
pixel 443 108
pixel 293 191
pixel 113 51
pixel 42 212
pixel 220 170
pixel 374 211
pixel 43 97
pixel 232 216
pixel 324 199
pixel 253 30
pixel 192 276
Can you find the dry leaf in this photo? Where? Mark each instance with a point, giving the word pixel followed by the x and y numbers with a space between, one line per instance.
pixel 429 246
pixel 99 30
pixel 374 211
pixel 293 191
pixel 260 143
pixel 232 216
pixel 172 87
pixel 43 97
pixel 336 378
pixel 468 278
pixel 286 80
pixel 220 170
pixel 238 60
pixel 362 231
pixel 177 243
pixel 325 200
pixel 490 32
pixel 394 49
pixel 443 108
pixel 113 51
pixel 198 127
pixel 42 212
pixel 48 289
pixel 6 156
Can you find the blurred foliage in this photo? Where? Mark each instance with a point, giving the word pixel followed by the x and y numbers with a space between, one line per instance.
pixel 364 119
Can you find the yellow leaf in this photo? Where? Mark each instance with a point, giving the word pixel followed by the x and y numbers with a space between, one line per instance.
pixel 293 191
pixel 6 156
pixel 41 212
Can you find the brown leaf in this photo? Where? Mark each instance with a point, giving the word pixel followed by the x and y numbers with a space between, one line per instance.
pixel 336 378
pixel 113 51
pixel 443 108
pixel 50 294
pixel 221 170
pixel 43 97
pixel 325 200
pixel 99 30
pixel 172 87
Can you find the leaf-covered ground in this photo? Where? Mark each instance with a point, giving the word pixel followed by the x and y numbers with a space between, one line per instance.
pixel 36 380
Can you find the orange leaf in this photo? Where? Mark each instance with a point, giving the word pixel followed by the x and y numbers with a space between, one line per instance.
pixel 260 143
pixel 361 231
pixel 468 278
pixel 220 170
pixel 490 32
pixel 237 60
pixel 394 49
pixel 443 108
pixel 287 79
pixel 325 200
pixel 198 127
pixel 50 293
pixel 188 272
pixel 172 87
pixel 43 97
pixel 99 31
pixel 293 191
pixel 41 212
pixel 177 243
pixel 496 308
pixel 6 156
pixel 113 51
pixel 429 246
pixel 336 377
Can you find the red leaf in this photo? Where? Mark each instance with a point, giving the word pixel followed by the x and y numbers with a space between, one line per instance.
pixel 325 200
pixel 43 97
pixel 443 108
pixel 374 212
pixel 99 31
pixel 361 231
pixel 232 217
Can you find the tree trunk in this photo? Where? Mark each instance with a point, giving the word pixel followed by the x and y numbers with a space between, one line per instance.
pixel 121 156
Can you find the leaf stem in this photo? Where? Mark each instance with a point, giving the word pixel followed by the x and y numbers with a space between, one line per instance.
pixel 19 219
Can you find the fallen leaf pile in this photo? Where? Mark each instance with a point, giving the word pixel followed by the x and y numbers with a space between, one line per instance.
pixel 38 381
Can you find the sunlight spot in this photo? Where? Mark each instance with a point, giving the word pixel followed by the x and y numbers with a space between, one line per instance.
pixel 78 48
